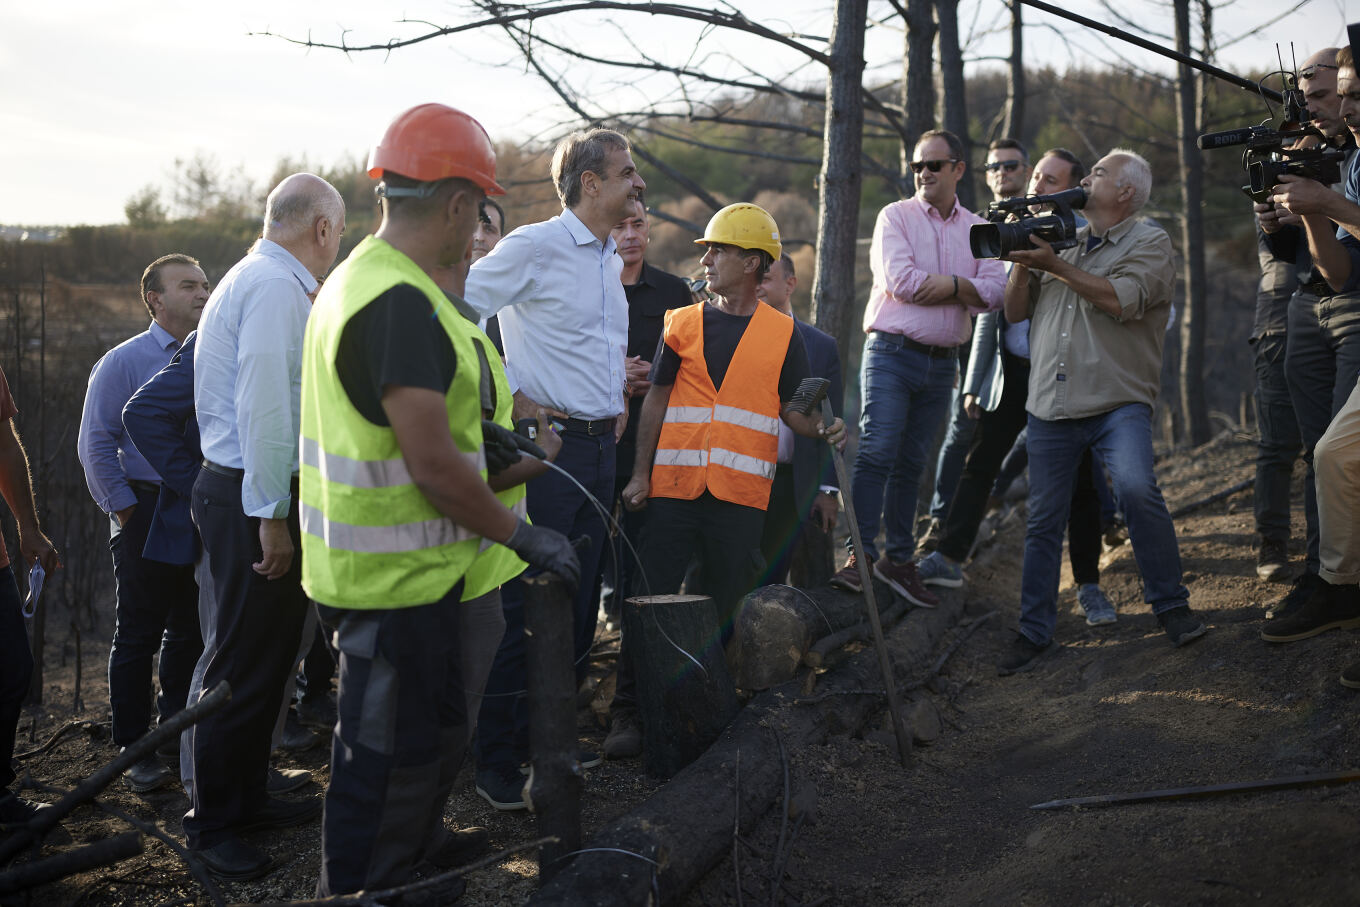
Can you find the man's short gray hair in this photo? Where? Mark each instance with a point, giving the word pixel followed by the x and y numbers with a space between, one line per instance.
pixel 294 205
pixel 579 153
pixel 1135 173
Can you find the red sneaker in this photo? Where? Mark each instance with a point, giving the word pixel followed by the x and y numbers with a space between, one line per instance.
pixel 847 577
pixel 905 581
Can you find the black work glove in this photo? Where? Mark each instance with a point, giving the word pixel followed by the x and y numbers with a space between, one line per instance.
pixel 809 393
pixel 503 447
pixel 548 550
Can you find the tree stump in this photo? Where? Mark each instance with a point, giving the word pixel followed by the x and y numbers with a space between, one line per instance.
pixel 685 693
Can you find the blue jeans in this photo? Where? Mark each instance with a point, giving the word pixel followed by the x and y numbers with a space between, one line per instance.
pixel 1123 439
pixel 906 397
pixel 953 452
pixel 1280 443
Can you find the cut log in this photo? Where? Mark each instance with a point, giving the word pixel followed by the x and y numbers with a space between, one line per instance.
pixel 556 777
pixel 82 859
pixel 777 626
pixel 670 841
pixel 685 693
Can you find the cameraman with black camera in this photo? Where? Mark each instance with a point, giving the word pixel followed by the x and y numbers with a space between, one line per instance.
pixel 1327 597
pixel 1098 316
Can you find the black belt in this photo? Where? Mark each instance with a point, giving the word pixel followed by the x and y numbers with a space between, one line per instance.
pixel 1023 360
pixel 226 472
pixel 934 352
pixel 1318 287
pixel 589 426
pixel 144 486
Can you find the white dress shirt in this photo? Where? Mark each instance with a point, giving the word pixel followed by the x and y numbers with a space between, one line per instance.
pixel 563 314
pixel 248 374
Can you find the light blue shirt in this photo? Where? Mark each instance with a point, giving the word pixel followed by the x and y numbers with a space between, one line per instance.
pixel 563 314
pixel 108 455
pixel 248 374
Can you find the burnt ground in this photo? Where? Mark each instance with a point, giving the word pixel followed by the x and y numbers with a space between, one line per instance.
pixel 1115 710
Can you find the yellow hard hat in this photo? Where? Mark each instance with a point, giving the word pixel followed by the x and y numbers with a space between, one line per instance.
pixel 745 226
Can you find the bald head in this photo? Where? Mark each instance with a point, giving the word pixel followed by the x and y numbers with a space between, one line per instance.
pixel 1325 57
pixel 1318 81
pixel 306 215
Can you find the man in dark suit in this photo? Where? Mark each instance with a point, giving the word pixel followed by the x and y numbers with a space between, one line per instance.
pixel 805 493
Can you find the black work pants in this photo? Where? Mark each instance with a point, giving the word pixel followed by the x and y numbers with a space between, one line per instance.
pixel 157 609
pixel 399 743
pixel 726 539
pixel 996 432
pixel 782 525
pixel 16 670
pixel 259 629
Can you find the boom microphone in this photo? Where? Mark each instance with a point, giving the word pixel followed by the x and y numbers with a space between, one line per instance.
pixel 1227 137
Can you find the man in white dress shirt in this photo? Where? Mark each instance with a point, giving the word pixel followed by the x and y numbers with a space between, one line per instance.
pixel 564 322
pixel 247 386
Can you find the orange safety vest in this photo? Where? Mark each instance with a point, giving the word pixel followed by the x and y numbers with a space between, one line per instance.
pixel 724 440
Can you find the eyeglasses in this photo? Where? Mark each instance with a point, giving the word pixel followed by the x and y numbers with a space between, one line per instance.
pixel 1309 71
pixel 932 166
pixel 1008 166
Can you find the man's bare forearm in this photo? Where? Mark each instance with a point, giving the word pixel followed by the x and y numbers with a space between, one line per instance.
pixel 649 427
pixel 16 482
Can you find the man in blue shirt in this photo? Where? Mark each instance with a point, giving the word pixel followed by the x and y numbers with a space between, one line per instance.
pixel 156 597
pixel 564 323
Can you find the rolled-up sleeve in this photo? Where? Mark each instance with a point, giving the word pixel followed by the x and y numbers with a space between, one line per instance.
pixel 990 283
pixel 1143 275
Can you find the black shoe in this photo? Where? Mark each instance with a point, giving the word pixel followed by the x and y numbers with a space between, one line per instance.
pixel 278 813
pixel 285 780
pixel 502 786
pixel 234 859
pixel 451 849
pixel 317 713
pixel 147 775
pixel 296 738
pixel 1181 625
pixel 1024 655
pixel 1272 558
pixel 168 753
pixel 1304 586
pixel 1327 608
pixel 15 810
pixel 625 737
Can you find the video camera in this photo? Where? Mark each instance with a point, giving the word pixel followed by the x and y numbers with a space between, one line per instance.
pixel 1002 236
pixel 1266 158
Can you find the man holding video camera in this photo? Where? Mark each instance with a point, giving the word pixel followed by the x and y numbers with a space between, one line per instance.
pixel 1098 315
pixel 1327 597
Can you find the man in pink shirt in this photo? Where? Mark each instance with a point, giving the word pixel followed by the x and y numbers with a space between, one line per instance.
pixel 926 285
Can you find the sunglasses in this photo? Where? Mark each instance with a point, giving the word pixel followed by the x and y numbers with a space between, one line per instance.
pixel 1008 166
pixel 932 166
pixel 1309 71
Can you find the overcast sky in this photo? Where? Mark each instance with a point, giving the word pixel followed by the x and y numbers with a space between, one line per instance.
pixel 100 98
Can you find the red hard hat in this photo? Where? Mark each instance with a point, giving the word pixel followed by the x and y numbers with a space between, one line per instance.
pixel 434 142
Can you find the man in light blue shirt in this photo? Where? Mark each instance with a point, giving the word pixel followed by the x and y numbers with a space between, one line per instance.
pixel 564 322
pixel 247 389
pixel 157 602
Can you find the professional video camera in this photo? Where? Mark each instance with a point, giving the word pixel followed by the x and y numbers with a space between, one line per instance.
pixel 1266 158
pixel 1002 235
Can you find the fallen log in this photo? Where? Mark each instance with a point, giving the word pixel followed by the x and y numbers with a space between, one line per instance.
pixel 658 851
pixel 684 691
pixel 82 859
pixel 817 654
pixel 48 819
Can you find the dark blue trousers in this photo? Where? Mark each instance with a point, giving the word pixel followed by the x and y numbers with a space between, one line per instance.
pixel 157 610
pixel 16 670
pixel 554 501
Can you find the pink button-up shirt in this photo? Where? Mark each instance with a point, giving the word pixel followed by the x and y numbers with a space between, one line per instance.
pixel 911 242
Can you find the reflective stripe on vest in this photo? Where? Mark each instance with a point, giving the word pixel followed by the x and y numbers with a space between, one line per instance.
pixel 366 473
pixel 723 440
pixel 402 537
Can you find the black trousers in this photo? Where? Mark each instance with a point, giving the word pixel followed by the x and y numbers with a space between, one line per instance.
pixel 157 610
pixel 259 629
pixel 16 670
pixel 725 537
pixel 996 432
pixel 399 743
pixel 782 525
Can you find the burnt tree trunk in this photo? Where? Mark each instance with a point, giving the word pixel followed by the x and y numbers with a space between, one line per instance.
pixel 1193 319
pixel 684 690
pixel 918 79
pixel 555 780
pixel 814 558
pixel 833 287
pixel 1014 124
pixel 953 101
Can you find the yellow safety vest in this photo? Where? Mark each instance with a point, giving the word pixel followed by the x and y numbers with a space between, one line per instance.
pixel 370 537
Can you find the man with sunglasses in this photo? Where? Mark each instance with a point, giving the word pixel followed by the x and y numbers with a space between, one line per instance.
pixel 1327 596
pixel 1316 355
pixel 926 284
pixel 1007 171
pixel 1098 322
